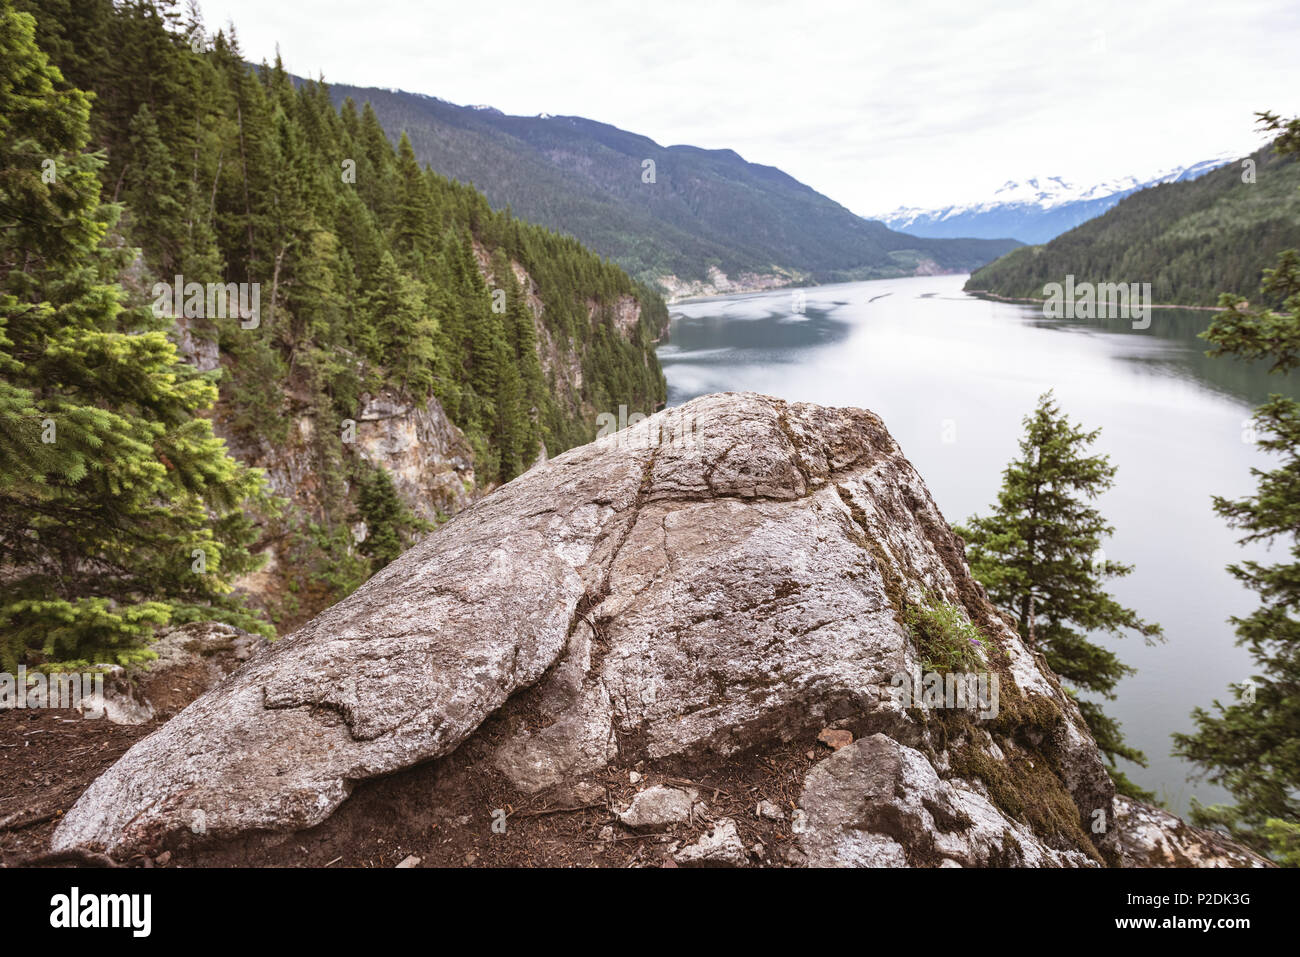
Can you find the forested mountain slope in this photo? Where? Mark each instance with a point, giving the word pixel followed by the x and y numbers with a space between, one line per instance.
pixel 383 295
pixel 1190 240
pixel 705 210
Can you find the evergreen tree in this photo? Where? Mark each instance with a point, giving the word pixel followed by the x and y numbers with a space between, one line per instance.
pixel 1251 746
pixel 370 270
pixel 412 228
pixel 404 333
pixel 390 525
pixel 1038 555
pixel 152 192
pixel 119 509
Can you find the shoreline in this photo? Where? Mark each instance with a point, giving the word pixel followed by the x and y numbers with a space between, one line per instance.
pixel 984 293
pixel 761 289
pixel 977 293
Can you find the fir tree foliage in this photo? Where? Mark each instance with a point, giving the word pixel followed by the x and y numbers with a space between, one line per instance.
pixel 119 509
pixel 1039 555
pixel 1251 744
pixel 371 276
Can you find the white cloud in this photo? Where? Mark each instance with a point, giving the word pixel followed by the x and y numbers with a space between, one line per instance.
pixel 875 104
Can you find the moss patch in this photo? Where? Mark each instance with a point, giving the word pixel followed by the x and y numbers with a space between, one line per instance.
pixel 1027 785
pixel 1028 791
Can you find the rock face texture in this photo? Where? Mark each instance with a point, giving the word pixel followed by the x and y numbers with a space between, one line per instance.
pixel 717 580
pixel 427 457
pixel 660 807
pixel 879 803
pixel 191 659
pixel 1151 837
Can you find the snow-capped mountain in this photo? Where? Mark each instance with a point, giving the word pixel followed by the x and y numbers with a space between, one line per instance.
pixel 1035 210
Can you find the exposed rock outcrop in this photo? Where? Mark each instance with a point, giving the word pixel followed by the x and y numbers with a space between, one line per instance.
pixel 190 660
pixel 625 313
pixel 720 580
pixel 427 457
pixel 719 283
pixel 561 364
pixel 879 803
pixel 1151 837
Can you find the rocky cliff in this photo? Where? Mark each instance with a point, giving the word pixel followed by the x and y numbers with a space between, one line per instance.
pixel 695 641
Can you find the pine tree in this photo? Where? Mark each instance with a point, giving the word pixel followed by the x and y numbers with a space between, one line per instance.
pixel 404 334
pixel 1251 746
pixel 119 509
pixel 368 280
pixel 1038 555
pixel 390 525
pixel 152 192
pixel 412 232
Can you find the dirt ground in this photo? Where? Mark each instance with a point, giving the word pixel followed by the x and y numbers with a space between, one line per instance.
pixel 47 758
pixel 441 812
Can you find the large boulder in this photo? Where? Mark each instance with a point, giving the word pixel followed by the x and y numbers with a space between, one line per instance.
pixel 718 579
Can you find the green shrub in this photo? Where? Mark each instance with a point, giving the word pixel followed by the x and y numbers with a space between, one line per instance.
pixel 945 638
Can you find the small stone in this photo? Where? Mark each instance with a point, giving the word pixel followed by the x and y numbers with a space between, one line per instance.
pixel 409 861
pixel 607 833
pixel 721 847
pixel 588 792
pixel 834 738
pixel 794 857
pixel 164 858
pixel 770 811
pixel 758 850
pixel 659 807
pixel 634 777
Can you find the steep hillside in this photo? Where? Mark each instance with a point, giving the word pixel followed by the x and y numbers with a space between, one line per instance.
pixel 1190 240
pixel 394 344
pixel 708 218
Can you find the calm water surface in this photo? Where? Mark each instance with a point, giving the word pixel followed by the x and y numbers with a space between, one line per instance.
pixel 952 376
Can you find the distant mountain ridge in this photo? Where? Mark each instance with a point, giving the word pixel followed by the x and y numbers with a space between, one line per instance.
pixel 1036 210
pixel 1192 240
pixel 708 222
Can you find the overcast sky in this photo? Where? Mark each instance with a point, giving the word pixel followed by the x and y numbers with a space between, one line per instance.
pixel 876 104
